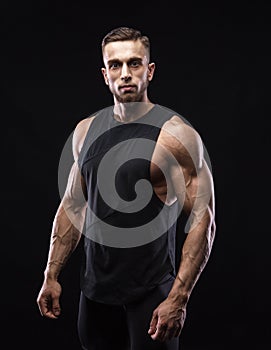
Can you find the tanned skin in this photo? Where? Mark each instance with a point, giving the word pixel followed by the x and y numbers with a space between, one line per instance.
pixel 127 73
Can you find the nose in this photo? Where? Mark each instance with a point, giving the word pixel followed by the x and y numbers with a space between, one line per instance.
pixel 125 73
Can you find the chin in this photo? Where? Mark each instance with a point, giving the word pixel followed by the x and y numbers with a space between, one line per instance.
pixel 126 99
pixel 129 98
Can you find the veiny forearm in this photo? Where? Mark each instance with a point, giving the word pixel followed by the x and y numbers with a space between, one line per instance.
pixel 64 239
pixel 195 254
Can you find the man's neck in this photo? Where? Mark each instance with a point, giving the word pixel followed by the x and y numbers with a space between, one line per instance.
pixel 131 111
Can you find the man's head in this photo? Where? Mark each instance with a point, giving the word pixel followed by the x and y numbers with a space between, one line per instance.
pixel 126 34
pixel 127 71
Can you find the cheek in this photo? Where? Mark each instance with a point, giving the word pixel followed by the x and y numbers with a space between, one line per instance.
pixel 111 77
pixel 143 80
pixel 111 81
pixel 142 77
pixel 146 76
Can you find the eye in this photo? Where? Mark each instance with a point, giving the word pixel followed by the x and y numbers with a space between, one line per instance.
pixel 134 63
pixel 114 65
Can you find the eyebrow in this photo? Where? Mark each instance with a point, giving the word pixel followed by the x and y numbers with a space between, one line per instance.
pixel 135 58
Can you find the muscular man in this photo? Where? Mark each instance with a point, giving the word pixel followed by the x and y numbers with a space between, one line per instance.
pixel 132 296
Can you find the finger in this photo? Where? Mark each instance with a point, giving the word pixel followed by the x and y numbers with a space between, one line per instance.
pixel 56 307
pixel 44 309
pixel 159 333
pixel 179 328
pixel 46 312
pixel 50 314
pixel 153 323
pixel 43 306
pixel 178 332
pixel 169 334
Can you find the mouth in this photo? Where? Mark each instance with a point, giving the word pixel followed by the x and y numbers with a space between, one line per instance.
pixel 127 88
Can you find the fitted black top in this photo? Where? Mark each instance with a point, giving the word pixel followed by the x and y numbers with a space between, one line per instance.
pixel 129 243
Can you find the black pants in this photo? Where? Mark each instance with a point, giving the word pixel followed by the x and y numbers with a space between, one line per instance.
pixel 122 327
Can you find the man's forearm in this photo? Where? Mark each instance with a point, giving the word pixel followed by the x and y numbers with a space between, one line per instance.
pixel 64 238
pixel 195 254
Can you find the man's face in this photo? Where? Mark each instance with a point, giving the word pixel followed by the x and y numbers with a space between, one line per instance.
pixel 127 70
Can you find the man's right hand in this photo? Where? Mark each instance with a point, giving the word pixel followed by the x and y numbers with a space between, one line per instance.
pixel 48 299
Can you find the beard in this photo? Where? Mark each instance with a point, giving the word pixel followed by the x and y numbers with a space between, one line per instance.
pixel 129 97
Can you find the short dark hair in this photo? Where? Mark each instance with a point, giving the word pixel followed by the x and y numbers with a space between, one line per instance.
pixel 126 33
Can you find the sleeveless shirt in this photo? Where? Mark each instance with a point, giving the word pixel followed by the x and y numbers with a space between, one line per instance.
pixel 115 271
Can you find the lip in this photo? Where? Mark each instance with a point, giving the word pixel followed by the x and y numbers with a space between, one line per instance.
pixel 127 87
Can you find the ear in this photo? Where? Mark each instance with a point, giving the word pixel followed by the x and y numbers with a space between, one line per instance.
pixel 151 69
pixel 104 75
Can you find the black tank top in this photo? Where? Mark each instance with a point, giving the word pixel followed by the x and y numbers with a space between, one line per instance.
pixel 122 262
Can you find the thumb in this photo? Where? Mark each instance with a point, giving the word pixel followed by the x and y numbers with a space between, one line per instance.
pixel 153 323
pixel 56 307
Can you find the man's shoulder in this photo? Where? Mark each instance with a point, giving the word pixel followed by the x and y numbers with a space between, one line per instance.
pixel 178 127
pixel 80 133
pixel 181 138
pixel 83 126
pixel 174 117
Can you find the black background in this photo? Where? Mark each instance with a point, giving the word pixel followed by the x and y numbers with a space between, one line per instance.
pixel 212 68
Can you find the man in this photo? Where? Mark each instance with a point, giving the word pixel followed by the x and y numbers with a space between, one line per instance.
pixel 132 297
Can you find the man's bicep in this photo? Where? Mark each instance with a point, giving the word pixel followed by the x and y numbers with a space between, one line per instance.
pixel 73 203
pixel 75 188
pixel 199 197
